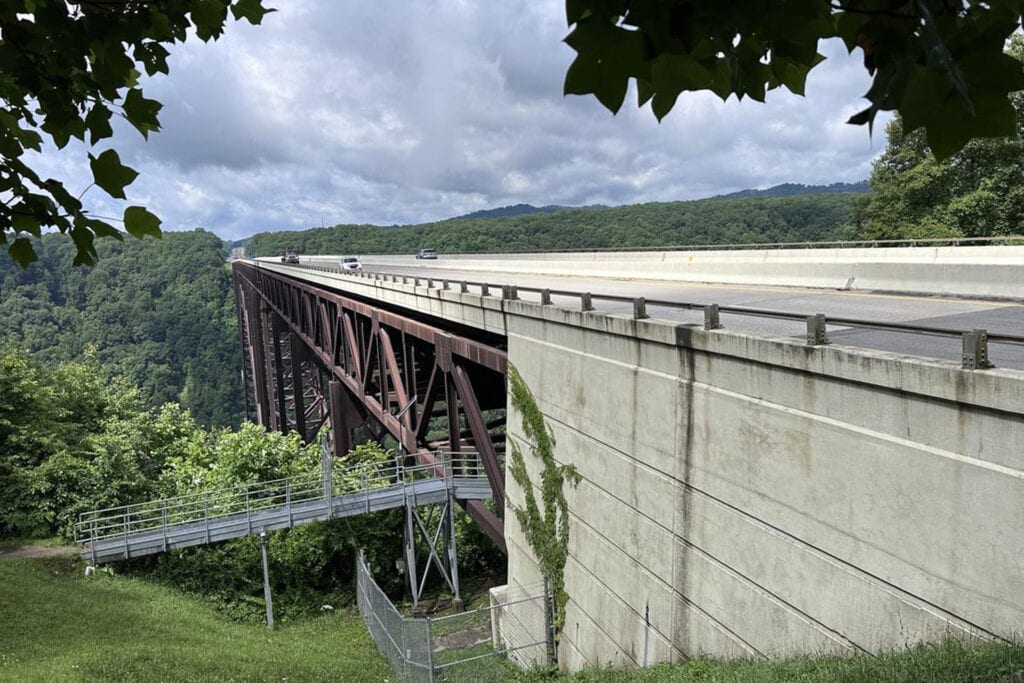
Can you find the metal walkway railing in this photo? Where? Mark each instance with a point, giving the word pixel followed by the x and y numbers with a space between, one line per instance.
pixel 210 516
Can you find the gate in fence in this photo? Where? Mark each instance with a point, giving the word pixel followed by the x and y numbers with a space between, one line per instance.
pixel 475 645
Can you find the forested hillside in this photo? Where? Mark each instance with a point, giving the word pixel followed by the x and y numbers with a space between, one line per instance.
pixel 705 221
pixel 159 313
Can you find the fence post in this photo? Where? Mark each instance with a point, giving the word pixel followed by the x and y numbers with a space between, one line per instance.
pixel 266 581
pixel 206 514
pixel 430 649
pixel 248 514
pixel 163 524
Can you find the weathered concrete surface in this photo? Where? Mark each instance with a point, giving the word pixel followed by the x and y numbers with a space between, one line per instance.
pixel 756 497
pixel 982 271
pixel 761 498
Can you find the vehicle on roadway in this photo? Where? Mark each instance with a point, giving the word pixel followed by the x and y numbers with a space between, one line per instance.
pixel 290 256
pixel 351 263
pixel 426 253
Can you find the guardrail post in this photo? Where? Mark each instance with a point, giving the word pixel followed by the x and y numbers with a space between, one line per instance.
pixel 509 292
pixel 711 317
pixel 430 283
pixel 288 500
pixel 248 513
pixel 463 287
pixel 127 529
pixel 93 542
pixel 586 302
pixel 975 350
pixel 206 515
pixel 444 284
pixel 485 290
pixel 640 308
pixel 545 297
pixel 816 334
pixel 163 524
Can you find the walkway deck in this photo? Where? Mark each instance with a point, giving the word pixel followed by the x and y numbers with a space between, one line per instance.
pixel 161 525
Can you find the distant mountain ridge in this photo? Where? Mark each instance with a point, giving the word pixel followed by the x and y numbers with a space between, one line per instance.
pixel 793 189
pixel 523 209
pixel 783 190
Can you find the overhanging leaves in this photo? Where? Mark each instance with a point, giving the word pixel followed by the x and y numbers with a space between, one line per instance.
pixel 926 57
pixel 65 69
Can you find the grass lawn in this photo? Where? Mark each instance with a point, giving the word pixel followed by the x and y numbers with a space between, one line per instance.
pixel 58 625
pixel 949 662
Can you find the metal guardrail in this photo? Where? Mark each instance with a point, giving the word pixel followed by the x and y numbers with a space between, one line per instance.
pixel 974 342
pixel 250 506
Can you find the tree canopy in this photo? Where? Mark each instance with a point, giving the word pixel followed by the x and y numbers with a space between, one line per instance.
pixel 66 69
pixel 979 191
pixel 939 63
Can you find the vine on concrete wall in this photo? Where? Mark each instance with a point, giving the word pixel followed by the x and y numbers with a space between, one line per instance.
pixel 546 531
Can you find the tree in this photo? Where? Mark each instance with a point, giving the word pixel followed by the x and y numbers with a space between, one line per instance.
pixel 939 63
pixel 979 191
pixel 68 67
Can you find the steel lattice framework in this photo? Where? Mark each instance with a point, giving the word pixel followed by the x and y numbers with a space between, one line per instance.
pixel 311 356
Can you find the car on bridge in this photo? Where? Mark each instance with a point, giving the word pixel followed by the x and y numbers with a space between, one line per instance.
pixel 426 254
pixel 351 263
pixel 290 256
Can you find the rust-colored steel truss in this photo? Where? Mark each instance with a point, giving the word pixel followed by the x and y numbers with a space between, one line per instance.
pixel 312 355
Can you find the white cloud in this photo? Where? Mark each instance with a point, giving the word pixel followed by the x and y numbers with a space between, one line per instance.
pixel 396 112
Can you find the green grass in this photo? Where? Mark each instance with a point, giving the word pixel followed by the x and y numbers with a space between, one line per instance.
pixel 949 662
pixel 58 625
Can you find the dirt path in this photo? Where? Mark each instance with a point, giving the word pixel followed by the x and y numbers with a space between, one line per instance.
pixel 29 552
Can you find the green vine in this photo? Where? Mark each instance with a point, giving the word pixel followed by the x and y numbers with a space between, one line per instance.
pixel 547 532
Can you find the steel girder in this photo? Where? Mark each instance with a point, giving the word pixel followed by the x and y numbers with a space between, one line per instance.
pixel 428 388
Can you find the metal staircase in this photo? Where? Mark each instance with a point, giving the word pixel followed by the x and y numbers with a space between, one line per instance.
pixel 157 526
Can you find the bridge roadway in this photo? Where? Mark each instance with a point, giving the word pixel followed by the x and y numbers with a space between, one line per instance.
pixel 1006 317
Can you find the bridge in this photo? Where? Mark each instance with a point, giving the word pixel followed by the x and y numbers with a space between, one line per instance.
pixel 782 451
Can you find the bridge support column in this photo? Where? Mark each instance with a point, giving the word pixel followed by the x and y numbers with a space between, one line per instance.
pixel 431 528
pixel 342 410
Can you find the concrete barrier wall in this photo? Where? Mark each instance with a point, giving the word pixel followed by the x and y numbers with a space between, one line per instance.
pixel 743 496
pixel 984 271
pixel 752 497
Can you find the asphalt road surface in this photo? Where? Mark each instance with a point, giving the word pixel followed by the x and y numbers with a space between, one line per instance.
pixel 945 312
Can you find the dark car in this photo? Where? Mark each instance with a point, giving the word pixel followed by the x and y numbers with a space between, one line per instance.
pixel 426 253
pixel 290 256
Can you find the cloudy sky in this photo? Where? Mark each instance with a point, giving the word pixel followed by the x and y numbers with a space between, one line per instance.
pixel 404 111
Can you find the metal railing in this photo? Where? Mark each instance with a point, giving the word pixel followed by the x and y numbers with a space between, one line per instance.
pixel 165 514
pixel 973 342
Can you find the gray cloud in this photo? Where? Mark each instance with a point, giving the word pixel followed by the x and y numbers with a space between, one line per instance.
pixel 396 112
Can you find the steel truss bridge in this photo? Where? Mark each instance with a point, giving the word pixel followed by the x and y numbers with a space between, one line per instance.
pixel 313 357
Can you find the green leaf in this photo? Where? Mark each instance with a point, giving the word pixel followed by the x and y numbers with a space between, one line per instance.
pixel 250 10
pixel 110 174
pixel 98 123
pixel 142 112
pixel 25 222
pixel 139 222
pixel 22 252
pixel 209 16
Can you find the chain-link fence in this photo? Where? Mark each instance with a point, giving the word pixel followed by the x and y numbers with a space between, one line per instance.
pixel 476 645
